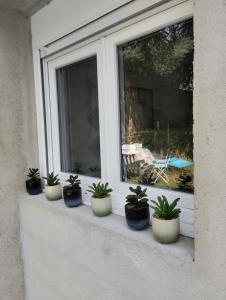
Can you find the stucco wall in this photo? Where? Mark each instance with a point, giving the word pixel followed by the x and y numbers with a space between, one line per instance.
pixel 71 254
pixel 210 144
pixel 17 143
pixel 69 258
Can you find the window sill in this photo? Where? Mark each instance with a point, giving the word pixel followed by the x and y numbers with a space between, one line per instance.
pixel 183 249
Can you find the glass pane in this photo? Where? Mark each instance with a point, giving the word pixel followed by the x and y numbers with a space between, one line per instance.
pixel 79 118
pixel 156 95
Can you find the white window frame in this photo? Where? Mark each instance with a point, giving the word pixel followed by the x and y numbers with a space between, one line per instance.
pixel 51 103
pixel 105 48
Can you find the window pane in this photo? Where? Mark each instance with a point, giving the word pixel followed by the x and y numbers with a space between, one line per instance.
pixel 79 118
pixel 156 95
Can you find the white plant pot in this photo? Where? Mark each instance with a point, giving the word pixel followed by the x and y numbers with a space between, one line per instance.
pixel 101 206
pixel 53 192
pixel 166 231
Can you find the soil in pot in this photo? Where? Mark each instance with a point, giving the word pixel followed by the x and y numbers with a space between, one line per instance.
pixel 72 198
pixel 34 186
pixel 137 218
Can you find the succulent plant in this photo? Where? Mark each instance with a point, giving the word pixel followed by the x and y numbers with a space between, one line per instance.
pixel 165 211
pixel 33 173
pixel 74 183
pixel 100 190
pixel 138 199
pixel 52 179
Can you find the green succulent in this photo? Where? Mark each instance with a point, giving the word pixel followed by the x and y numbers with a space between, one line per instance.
pixel 100 190
pixel 74 183
pixel 52 179
pixel 138 199
pixel 165 211
pixel 33 173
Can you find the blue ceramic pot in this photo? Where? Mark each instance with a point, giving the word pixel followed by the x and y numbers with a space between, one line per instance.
pixel 34 186
pixel 72 198
pixel 137 218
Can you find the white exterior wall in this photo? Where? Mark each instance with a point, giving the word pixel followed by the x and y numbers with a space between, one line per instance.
pixel 18 143
pixel 69 258
pixel 71 254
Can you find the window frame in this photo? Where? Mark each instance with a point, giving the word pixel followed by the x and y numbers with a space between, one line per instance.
pixel 105 48
pixel 111 42
pixel 52 117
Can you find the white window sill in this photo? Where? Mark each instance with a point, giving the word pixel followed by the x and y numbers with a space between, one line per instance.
pixel 183 249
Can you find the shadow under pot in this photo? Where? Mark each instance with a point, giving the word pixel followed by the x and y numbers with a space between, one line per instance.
pixel 101 207
pixel 137 218
pixel 53 192
pixel 34 186
pixel 72 197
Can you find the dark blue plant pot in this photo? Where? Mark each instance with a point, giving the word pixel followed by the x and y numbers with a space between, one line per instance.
pixel 138 224
pixel 72 202
pixel 72 198
pixel 34 186
pixel 137 219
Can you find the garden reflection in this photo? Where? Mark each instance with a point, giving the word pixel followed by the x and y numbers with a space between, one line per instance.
pixel 156 101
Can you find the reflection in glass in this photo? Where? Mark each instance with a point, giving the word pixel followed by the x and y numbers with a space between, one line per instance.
pixel 79 118
pixel 156 95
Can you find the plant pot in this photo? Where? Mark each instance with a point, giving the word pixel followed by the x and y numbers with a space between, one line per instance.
pixel 137 218
pixel 166 231
pixel 34 186
pixel 53 192
pixel 101 206
pixel 72 198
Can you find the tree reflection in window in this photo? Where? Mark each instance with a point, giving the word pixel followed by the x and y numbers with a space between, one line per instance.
pixel 156 102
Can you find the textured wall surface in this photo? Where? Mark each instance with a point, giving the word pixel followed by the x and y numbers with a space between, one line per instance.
pixel 70 258
pixel 210 145
pixel 25 7
pixel 17 143
pixel 71 254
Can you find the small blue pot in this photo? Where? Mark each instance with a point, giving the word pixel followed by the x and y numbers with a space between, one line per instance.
pixel 137 219
pixel 72 202
pixel 72 198
pixel 138 224
pixel 34 186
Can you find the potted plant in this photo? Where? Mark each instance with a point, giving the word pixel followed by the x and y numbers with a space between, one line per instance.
pixel 33 184
pixel 101 199
pixel 137 209
pixel 72 192
pixel 165 220
pixel 53 187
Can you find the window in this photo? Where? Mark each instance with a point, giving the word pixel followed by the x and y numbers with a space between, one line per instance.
pixel 119 109
pixel 156 84
pixel 79 118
